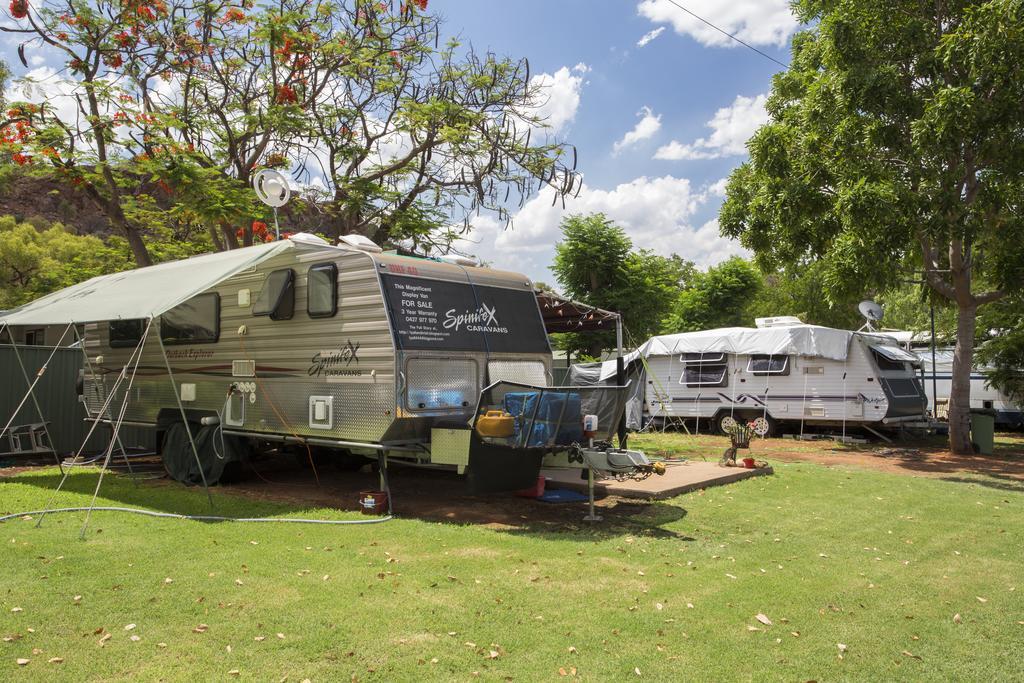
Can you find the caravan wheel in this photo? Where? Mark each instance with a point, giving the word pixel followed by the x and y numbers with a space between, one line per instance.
pixel 764 426
pixel 726 423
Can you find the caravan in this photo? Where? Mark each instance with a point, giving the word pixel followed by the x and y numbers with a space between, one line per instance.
pixel 342 347
pixel 780 372
pixel 938 380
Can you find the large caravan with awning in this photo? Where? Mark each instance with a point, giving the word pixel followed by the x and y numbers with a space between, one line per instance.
pixel 342 347
pixel 334 344
pixel 782 371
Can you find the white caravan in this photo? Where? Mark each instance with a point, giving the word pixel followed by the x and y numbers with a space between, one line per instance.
pixel 782 371
pixel 983 396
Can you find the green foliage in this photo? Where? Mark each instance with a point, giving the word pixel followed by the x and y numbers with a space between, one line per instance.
pixel 799 291
pixel 36 261
pixel 721 296
pixel 1003 352
pixel 595 264
pixel 895 146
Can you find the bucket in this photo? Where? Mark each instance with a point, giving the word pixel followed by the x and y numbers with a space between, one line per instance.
pixel 373 502
pixel 748 463
pixel 535 491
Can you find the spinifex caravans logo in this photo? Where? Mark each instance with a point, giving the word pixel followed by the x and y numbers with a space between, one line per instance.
pixel 483 319
pixel 336 362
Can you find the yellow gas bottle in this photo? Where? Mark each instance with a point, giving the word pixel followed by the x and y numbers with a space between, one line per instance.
pixel 496 424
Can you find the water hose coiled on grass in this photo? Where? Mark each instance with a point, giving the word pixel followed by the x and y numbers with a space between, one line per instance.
pixel 200 518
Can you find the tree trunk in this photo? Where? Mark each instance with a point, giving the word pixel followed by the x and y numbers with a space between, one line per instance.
pixel 138 246
pixel 960 389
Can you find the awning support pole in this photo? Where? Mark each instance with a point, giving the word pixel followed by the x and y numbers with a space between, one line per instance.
pixel 117 428
pixel 110 396
pixel 184 417
pixel 620 377
pixel 31 390
pixel 114 435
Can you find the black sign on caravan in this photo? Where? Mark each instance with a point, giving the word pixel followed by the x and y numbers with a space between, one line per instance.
pixel 455 316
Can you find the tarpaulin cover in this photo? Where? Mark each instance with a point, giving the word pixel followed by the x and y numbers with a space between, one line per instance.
pixel 147 292
pixel 214 453
pixel 810 341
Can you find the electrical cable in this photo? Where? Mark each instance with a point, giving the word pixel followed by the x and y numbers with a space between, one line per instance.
pixel 201 518
pixel 729 35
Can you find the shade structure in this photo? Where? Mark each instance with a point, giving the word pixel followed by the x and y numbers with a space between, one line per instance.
pixel 565 315
pixel 148 292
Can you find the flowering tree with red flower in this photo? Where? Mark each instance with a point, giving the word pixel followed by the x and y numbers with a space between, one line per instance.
pixel 177 105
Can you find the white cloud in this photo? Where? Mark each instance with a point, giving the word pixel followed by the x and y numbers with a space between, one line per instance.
pixel 645 128
pixel 731 127
pixel 649 36
pixel 758 22
pixel 36 60
pixel 560 97
pixel 656 213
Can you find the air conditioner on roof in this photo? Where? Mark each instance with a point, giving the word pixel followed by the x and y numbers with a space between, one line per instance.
pixel 778 321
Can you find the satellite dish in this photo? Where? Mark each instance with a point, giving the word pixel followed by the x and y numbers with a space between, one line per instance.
pixel 870 310
pixel 271 187
pixel 872 313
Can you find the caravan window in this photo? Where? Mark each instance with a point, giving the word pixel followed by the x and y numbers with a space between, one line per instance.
pixel 197 321
pixel 705 370
pixel 277 298
pixel 125 333
pixel 767 364
pixel 885 363
pixel 322 290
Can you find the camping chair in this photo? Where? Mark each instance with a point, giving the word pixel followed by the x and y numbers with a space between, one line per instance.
pixel 29 439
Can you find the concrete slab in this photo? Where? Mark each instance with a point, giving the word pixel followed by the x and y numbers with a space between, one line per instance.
pixel 679 477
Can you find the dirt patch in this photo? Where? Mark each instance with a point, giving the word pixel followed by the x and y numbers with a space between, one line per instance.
pixel 927 460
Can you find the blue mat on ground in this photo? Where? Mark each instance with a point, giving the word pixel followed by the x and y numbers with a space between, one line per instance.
pixel 562 496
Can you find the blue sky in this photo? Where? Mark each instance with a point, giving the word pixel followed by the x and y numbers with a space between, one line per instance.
pixel 658 105
pixel 688 85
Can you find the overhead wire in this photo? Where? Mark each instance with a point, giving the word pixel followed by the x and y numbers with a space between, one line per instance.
pixel 727 34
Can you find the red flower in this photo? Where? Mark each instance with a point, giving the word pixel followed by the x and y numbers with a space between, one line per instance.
pixel 233 14
pixel 19 9
pixel 422 4
pixel 259 228
pixel 285 95
pixel 21 159
pixel 114 61
pixel 146 12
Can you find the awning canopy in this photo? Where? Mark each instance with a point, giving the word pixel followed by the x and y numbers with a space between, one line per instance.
pixel 895 353
pixel 565 315
pixel 147 292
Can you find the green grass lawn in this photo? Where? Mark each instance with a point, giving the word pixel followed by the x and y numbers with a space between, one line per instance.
pixel 860 573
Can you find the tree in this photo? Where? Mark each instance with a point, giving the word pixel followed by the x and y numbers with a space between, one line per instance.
pixel 180 103
pixel 595 264
pixel 721 296
pixel 1003 352
pixel 894 148
pixel 38 260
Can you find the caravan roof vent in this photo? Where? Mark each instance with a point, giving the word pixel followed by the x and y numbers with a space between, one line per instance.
pixel 457 260
pixel 359 242
pixel 308 238
pixel 778 321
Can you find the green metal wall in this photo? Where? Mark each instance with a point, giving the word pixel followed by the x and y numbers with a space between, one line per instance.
pixel 57 399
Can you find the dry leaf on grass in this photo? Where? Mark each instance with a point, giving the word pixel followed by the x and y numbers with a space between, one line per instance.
pixel 905 653
pixel 202 628
pixel 636 670
pixel 22 661
pixel 56 660
pixel 981 599
pixel 129 627
pixel 17 609
pixel 134 638
pixel 764 619
pixel 957 619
